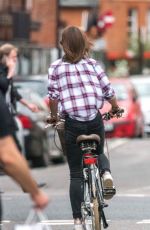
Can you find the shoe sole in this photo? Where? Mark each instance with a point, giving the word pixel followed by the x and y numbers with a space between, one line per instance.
pixel 108 183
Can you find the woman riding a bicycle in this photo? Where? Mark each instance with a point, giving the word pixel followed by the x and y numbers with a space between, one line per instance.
pixel 77 89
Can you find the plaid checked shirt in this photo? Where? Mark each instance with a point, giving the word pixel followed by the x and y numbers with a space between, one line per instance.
pixel 80 88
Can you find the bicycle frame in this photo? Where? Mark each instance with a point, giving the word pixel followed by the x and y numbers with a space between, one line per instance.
pixel 93 204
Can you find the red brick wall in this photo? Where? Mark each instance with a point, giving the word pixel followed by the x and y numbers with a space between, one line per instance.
pixel 116 37
pixel 72 16
pixel 44 11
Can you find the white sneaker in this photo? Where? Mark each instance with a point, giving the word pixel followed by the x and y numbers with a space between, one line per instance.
pixel 108 184
pixel 107 180
pixel 78 227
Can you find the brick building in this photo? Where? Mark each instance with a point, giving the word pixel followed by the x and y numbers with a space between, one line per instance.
pixel 76 13
pixel 32 26
pixel 30 21
pixel 35 25
pixel 130 16
pixel 129 37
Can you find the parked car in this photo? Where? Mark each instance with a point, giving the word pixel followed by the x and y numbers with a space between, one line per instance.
pixel 131 123
pixel 142 85
pixel 37 87
pixel 38 83
pixel 35 135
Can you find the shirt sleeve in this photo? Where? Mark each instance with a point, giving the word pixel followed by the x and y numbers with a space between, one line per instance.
pixel 53 90
pixel 6 121
pixel 107 89
pixel 4 83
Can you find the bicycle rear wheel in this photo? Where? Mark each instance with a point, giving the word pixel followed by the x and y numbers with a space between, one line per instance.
pixel 96 218
pixel 91 206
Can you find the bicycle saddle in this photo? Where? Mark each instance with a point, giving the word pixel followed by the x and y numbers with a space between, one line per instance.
pixel 91 137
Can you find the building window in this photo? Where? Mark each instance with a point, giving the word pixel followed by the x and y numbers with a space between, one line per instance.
pixel 33 60
pixel 133 27
pixel 148 24
pixel 84 20
pixel 132 21
pixel 29 5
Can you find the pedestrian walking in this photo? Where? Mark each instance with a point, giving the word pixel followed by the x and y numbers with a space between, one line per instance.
pixel 8 62
pixel 77 89
pixel 12 161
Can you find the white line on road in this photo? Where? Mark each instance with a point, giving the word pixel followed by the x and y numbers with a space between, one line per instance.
pixel 114 143
pixel 60 222
pixel 50 222
pixel 143 222
pixel 6 221
pixel 133 195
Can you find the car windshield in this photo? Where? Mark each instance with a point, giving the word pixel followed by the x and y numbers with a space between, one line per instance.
pixel 33 97
pixel 37 86
pixel 143 89
pixel 120 90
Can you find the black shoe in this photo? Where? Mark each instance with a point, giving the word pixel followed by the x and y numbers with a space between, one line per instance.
pixel 41 185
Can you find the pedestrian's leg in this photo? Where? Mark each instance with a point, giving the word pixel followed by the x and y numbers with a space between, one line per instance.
pixel 17 142
pixel 0 212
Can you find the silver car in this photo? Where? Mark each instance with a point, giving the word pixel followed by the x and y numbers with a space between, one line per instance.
pixel 35 90
pixel 142 85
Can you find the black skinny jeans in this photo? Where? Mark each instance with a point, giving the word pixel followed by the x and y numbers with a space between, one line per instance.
pixel 74 128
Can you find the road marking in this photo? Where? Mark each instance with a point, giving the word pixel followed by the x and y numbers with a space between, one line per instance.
pixel 112 144
pixel 133 195
pixel 51 222
pixel 60 222
pixel 143 222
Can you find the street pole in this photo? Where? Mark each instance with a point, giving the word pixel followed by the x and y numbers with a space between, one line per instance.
pixel 58 27
pixel 141 51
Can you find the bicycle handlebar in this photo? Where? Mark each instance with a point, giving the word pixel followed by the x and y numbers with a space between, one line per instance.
pixel 106 116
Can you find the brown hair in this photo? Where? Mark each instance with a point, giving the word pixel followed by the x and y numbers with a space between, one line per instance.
pixel 75 44
pixel 5 50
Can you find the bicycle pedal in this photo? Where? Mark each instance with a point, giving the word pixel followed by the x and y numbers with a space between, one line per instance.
pixel 104 205
pixel 109 191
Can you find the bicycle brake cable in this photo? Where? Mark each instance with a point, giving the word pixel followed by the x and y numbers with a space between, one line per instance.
pixel 55 130
pixel 107 148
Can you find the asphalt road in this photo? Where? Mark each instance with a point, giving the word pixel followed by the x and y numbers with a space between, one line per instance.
pixel 129 209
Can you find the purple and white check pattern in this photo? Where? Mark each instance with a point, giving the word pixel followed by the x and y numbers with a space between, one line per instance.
pixel 80 88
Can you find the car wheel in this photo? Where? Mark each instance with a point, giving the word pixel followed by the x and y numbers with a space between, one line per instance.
pixel 59 159
pixel 42 160
pixel 141 133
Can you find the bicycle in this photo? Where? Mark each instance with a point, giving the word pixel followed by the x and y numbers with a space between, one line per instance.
pixel 94 192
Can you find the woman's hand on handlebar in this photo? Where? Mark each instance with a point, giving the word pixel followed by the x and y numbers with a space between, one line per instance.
pixel 52 119
pixel 116 112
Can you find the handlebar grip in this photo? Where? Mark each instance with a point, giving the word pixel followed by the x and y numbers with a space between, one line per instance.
pixel 108 116
pixel 119 111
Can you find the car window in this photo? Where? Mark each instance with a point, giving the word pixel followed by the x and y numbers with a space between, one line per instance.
pixel 33 97
pixel 143 89
pixel 37 86
pixel 121 91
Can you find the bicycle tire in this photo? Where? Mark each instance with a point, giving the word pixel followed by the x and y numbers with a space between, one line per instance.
pixel 96 217
pixel 95 210
pixel 96 214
